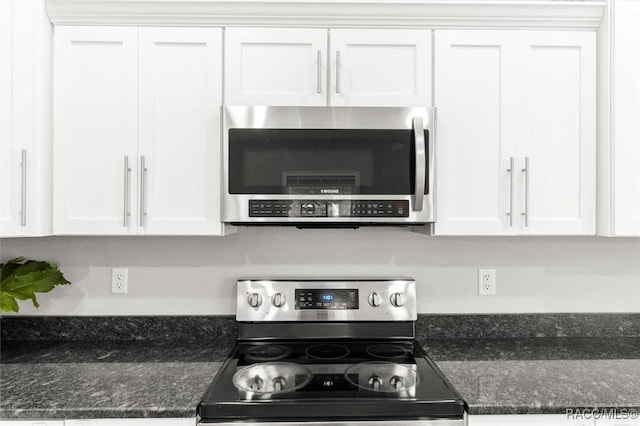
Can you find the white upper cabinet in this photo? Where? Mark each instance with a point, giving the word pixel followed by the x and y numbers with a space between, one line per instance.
pixel 627 123
pixel 180 83
pixel 267 66
pixel 95 130
pixel 474 94
pixel 380 67
pixel 25 119
pixel 516 130
pixel 275 66
pixel 556 140
pixel 137 149
pixel 626 109
pixel 619 135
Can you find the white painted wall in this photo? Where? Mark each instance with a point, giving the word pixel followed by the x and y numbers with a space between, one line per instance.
pixel 196 275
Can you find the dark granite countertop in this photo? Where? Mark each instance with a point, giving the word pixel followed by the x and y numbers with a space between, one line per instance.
pixel 541 375
pixel 107 367
pixel 166 378
pixel 124 379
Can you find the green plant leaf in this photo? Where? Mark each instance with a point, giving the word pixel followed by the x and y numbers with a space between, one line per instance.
pixel 8 303
pixel 22 279
pixel 10 266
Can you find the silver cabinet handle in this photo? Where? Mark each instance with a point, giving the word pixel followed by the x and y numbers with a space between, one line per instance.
pixel 23 189
pixel 525 213
pixel 421 157
pixel 319 72
pixel 511 171
pixel 338 71
pixel 143 190
pixel 127 192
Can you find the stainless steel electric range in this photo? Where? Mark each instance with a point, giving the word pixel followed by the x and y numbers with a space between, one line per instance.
pixel 329 352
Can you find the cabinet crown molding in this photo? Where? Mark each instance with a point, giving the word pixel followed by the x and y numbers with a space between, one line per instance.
pixel 511 14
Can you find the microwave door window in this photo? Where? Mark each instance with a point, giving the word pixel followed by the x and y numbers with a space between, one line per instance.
pixel 321 161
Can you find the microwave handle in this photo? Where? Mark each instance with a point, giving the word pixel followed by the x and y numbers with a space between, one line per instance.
pixel 421 161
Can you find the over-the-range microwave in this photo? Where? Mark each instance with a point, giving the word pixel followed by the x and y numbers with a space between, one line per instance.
pixel 328 166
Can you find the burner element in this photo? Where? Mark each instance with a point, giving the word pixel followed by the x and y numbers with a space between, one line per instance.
pixel 327 351
pixel 382 376
pixel 262 353
pixel 263 380
pixel 387 351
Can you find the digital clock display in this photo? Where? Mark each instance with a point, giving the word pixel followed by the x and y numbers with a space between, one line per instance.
pixel 339 299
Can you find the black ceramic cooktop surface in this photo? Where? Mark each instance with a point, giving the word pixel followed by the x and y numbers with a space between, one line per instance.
pixel 329 380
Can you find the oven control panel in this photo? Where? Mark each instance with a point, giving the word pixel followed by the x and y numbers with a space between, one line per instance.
pixel 326 300
pixel 324 208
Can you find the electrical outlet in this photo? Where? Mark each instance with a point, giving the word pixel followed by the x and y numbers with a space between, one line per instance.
pixel 119 280
pixel 486 282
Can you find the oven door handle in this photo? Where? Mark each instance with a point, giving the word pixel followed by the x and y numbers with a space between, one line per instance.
pixel 421 163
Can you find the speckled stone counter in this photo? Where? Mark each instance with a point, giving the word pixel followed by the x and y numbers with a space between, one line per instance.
pixel 146 367
pixel 541 375
pixel 84 379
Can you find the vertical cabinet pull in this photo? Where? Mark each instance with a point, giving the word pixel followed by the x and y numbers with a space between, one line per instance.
pixel 143 190
pixel 319 72
pixel 511 177
pixel 23 189
pixel 127 192
pixel 338 71
pixel 526 170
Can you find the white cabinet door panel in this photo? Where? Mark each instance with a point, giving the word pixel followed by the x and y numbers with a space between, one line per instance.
pixel 631 422
pixel 380 67
pixel 95 128
pixel 10 150
pixel 25 124
pixel 529 96
pixel 474 93
pixel 275 66
pixel 526 420
pixel 556 131
pixel 626 136
pixel 179 130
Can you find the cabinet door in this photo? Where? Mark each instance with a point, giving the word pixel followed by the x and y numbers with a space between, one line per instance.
pixel 556 125
pixel 475 140
pixel 626 113
pixel 275 66
pixel 31 422
pixel 25 126
pixel 179 131
pixel 380 67
pixel 527 420
pixel 628 422
pixel 95 130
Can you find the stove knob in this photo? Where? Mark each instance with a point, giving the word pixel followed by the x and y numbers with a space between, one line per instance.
pixel 256 384
pixel 254 300
pixel 278 300
pixel 279 384
pixel 374 299
pixel 375 382
pixel 397 383
pixel 397 299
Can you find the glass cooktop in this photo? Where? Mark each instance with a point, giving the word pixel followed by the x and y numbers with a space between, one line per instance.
pixel 329 380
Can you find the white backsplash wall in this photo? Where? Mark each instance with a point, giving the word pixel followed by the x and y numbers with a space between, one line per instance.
pixel 196 275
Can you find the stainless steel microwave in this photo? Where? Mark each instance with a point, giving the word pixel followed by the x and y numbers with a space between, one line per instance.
pixel 317 166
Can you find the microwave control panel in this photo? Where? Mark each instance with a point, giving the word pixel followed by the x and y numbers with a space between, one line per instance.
pixel 325 208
